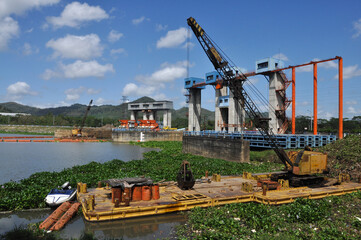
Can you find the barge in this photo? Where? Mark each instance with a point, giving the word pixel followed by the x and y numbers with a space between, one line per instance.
pixel 98 204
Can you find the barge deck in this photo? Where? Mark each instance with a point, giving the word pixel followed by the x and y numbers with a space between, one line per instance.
pixel 203 194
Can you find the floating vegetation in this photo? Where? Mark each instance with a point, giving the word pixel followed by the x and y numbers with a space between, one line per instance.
pixel 336 217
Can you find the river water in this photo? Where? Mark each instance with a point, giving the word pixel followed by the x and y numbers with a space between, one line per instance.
pixel 20 160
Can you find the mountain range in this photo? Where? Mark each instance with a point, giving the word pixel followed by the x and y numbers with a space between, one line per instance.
pixel 103 111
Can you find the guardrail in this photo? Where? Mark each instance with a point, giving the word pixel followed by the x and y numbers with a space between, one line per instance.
pixel 286 141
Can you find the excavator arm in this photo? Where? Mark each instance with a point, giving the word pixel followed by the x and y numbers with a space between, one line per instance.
pixel 85 115
pixel 235 79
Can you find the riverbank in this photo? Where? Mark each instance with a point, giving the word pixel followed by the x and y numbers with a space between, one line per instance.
pixel 30 129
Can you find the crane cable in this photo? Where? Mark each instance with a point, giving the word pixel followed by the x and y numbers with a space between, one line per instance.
pixel 252 87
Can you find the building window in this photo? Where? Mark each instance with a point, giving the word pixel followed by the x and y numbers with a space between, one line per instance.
pixel 262 65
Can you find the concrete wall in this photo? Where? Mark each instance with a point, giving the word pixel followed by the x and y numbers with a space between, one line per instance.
pixel 127 136
pixel 236 150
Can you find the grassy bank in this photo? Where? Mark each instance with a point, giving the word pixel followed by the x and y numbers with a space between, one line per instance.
pixel 30 192
pixel 344 156
pixel 29 129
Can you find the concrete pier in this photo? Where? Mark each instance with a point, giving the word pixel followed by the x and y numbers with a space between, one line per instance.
pixel 194 109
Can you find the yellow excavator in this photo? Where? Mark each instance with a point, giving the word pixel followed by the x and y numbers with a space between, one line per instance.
pixel 77 132
pixel 301 167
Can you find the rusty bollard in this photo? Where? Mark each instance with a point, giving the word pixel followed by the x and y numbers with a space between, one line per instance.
pixel 126 196
pixel 264 189
pixel 116 202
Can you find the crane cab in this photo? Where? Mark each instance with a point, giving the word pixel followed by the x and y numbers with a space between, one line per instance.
pixel 308 162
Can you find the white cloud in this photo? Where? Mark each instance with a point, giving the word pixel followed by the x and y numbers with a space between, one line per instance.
pixel 117 51
pixel 28 49
pixel 352 102
pixel 18 90
pixel 81 69
pixel 9 29
pixel 328 64
pixel 304 103
pixel 75 93
pixel 151 85
pixel 280 56
pixel 114 36
pixel 357 28
pixel 173 38
pixel 100 101
pixel 76 47
pixel 49 74
pixel 350 72
pixel 160 27
pixel 8 7
pixel 351 110
pixel 75 13
pixel 138 20
pixel 132 89
pixel 307 68
pixel 166 74
pixel 78 69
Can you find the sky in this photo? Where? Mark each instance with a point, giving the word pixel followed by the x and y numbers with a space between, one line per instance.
pixel 57 52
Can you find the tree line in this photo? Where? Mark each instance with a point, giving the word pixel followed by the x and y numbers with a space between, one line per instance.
pixel 304 124
pixel 55 120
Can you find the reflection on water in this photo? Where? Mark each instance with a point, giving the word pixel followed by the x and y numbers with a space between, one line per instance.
pixel 20 160
pixel 152 227
pixel 10 220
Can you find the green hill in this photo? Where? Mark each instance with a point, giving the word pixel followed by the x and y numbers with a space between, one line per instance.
pixel 104 111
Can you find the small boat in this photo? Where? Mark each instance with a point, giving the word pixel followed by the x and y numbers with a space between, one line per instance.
pixel 60 195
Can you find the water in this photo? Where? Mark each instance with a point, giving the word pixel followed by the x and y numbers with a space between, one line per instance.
pixel 153 227
pixel 20 160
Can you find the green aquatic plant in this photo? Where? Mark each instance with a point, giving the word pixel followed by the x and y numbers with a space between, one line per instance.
pixel 328 218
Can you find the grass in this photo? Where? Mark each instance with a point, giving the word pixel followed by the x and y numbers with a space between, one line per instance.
pixel 344 155
pixel 27 133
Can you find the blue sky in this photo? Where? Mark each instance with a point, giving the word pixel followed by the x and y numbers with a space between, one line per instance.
pixel 57 53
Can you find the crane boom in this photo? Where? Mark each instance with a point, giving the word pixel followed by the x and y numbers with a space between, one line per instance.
pixel 85 115
pixel 234 79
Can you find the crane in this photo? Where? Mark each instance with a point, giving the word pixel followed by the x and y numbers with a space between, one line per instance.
pixel 298 166
pixel 77 132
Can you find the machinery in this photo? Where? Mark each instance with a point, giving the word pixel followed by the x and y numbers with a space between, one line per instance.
pixel 77 132
pixel 139 124
pixel 185 177
pixel 300 167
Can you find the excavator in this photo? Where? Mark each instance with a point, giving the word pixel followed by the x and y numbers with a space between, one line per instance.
pixel 77 132
pixel 302 168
